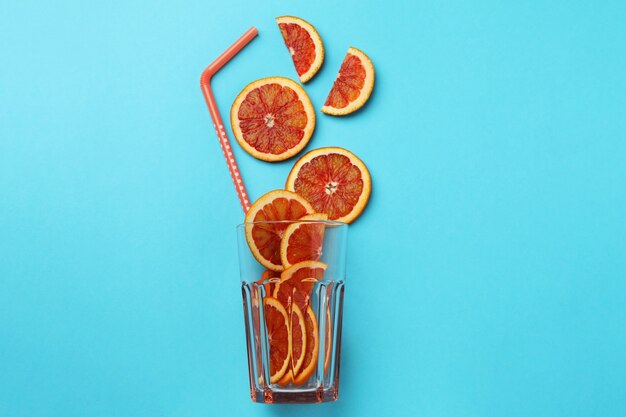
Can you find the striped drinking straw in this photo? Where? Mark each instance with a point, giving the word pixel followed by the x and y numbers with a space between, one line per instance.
pixel 205 84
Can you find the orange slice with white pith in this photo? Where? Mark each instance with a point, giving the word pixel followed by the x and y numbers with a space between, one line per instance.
pixel 312 347
pixel 353 85
pixel 279 338
pixel 334 181
pixel 272 118
pixel 298 344
pixel 304 45
pixel 296 283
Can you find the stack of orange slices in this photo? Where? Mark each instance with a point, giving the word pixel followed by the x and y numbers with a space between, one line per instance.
pixel 286 236
pixel 285 232
pixel 273 120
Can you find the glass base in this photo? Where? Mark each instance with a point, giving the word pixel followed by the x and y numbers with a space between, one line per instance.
pixel 294 397
pixel 324 314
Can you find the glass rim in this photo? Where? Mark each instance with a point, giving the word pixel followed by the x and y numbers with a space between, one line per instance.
pixel 331 223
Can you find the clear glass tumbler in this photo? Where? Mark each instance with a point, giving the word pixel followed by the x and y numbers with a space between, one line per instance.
pixel 293 310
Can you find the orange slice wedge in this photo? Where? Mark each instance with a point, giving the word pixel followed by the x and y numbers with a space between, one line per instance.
pixel 304 45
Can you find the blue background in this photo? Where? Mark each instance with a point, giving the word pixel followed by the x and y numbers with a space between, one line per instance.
pixel 487 277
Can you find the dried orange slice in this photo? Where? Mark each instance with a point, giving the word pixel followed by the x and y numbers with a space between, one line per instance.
pixel 334 181
pixel 312 346
pixel 268 280
pixel 353 85
pixel 298 345
pixel 272 118
pixel 304 45
pixel 264 238
pixel 279 338
pixel 303 241
pixel 298 338
pixel 268 274
pixel 286 379
pixel 296 283
pixel 328 340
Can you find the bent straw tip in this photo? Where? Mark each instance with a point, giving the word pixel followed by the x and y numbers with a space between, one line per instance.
pixel 208 72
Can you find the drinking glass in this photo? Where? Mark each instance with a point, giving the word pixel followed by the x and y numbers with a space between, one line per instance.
pixel 279 306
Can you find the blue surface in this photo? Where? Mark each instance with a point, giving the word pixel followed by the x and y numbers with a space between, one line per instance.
pixel 486 278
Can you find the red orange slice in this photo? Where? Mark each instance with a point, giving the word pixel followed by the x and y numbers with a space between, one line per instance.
pixel 286 379
pixel 279 338
pixel 264 238
pixel 304 45
pixel 312 346
pixel 353 85
pixel 268 280
pixel 268 274
pixel 303 241
pixel 296 283
pixel 298 338
pixel 328 340
pixel 334 181
pixel 298 345
pixel 272 118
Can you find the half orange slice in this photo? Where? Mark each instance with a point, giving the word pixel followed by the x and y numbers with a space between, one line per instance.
pixel 304 45
pixel 353 85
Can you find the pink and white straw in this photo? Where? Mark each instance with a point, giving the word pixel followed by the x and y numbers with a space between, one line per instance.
pixel 205 84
